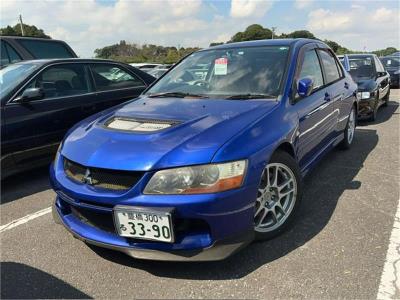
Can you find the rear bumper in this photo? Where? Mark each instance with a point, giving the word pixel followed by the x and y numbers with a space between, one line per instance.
pixel 217 251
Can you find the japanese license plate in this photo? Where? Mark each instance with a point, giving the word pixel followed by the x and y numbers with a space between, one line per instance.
pixel 143 224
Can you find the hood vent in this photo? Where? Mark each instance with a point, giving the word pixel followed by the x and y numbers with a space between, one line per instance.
pixel 138 125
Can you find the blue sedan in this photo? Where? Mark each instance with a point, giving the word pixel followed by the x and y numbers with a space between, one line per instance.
pixel 211 156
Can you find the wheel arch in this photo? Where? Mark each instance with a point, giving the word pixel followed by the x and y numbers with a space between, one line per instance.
pixel 286 147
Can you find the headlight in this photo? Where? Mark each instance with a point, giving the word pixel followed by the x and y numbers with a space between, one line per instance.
pixel 210 178
pixel 363 95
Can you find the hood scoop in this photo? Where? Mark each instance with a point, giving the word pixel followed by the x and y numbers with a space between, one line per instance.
pixel 138 125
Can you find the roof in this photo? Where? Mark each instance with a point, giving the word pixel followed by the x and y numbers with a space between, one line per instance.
pixel 53 60
pixel 17 37
pixel 361 55
pixel 267 42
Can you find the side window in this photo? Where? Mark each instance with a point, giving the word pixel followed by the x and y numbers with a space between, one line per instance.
pixel 329 65
pixel 13 55
pixel 46 49
pixel 111 77
pixel 62 80
pixel 4 56
pixel 311 68
pixel 341 74
pixel 379 66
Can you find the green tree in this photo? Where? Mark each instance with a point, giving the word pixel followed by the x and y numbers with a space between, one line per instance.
pixel 300 34
pixel 29 30
pixel 253 32
pixel 216 44
pixel 384 52
pixel 333 45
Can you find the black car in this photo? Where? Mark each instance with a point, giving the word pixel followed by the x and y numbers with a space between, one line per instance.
pixel 392 65
pixel 373 83
pixel 16 48
pixel 42 99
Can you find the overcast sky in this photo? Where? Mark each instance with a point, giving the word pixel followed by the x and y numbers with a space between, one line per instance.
pixel 90 24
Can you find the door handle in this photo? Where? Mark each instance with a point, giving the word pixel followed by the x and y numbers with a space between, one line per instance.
pixel 327 97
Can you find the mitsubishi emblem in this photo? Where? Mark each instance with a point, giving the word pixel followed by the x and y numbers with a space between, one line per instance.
pixel 87 178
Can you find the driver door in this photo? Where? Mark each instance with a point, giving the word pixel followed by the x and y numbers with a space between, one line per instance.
pixel 42 123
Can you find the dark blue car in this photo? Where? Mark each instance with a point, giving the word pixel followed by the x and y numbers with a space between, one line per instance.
pixel 211 156
pixel 42 99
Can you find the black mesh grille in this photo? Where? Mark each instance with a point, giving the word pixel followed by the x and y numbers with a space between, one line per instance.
pixel 104 178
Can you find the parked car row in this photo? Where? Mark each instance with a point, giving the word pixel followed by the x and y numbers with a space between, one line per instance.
pixel 156 70
pixel 373 83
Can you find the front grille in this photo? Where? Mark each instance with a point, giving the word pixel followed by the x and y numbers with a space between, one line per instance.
pixel 103 178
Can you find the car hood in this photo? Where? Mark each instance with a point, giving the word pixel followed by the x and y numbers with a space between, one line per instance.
pixel 366 84
pixel 392 70
pixel 199 128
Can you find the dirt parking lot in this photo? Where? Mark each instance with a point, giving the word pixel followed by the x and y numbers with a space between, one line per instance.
pixel 337 249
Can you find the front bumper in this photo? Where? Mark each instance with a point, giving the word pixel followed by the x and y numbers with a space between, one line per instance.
pixel 208 227
pixel 218 251
pixel 395 80
pixel 366 107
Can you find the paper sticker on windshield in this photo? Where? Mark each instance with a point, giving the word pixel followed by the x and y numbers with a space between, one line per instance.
pixel 221 66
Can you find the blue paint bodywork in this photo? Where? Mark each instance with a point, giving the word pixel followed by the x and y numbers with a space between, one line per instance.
pixel 209 130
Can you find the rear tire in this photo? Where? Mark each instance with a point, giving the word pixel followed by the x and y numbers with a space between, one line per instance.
pixel 279 196
pixel 349 131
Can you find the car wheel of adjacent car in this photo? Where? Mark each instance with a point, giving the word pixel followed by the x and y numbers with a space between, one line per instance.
pixel 278 196
pixel 349 131
pixel 374 113
pixel 386 99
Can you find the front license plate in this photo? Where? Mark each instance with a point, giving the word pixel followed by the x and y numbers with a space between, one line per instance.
pixel 142 224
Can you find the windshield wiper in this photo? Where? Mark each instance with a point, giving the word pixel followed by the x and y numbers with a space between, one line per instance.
pixel 250 96
pixel 176 95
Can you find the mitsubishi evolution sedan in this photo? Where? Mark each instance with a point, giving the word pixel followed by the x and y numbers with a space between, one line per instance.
pixel 209 158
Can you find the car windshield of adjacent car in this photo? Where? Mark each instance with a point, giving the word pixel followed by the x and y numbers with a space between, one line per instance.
pixel 362 67
pixel 228 73
pixel 13 75
pixel 391 62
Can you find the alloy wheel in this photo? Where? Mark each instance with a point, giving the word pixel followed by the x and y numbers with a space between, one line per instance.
pixel 351 127
pixel 276 197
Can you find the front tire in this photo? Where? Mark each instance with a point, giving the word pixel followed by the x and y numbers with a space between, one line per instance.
pixel 349 131
pixel 279 196
pixel 386 99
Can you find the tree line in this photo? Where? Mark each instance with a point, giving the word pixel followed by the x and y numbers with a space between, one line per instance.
pixel 131 52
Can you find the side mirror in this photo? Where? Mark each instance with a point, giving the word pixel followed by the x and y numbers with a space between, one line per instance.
pixel 30 94
pixel 305 87
pixel 380 74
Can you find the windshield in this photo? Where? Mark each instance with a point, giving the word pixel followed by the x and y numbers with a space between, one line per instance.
pixel 391 62
pixel 223 73
pixel 13 75
pixel 362 67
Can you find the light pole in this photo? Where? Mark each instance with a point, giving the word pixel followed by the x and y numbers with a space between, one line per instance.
pixel 273 31
pixel 22 25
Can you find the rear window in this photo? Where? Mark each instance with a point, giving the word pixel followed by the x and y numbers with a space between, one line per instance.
pixel 46 49
pixel 391 62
